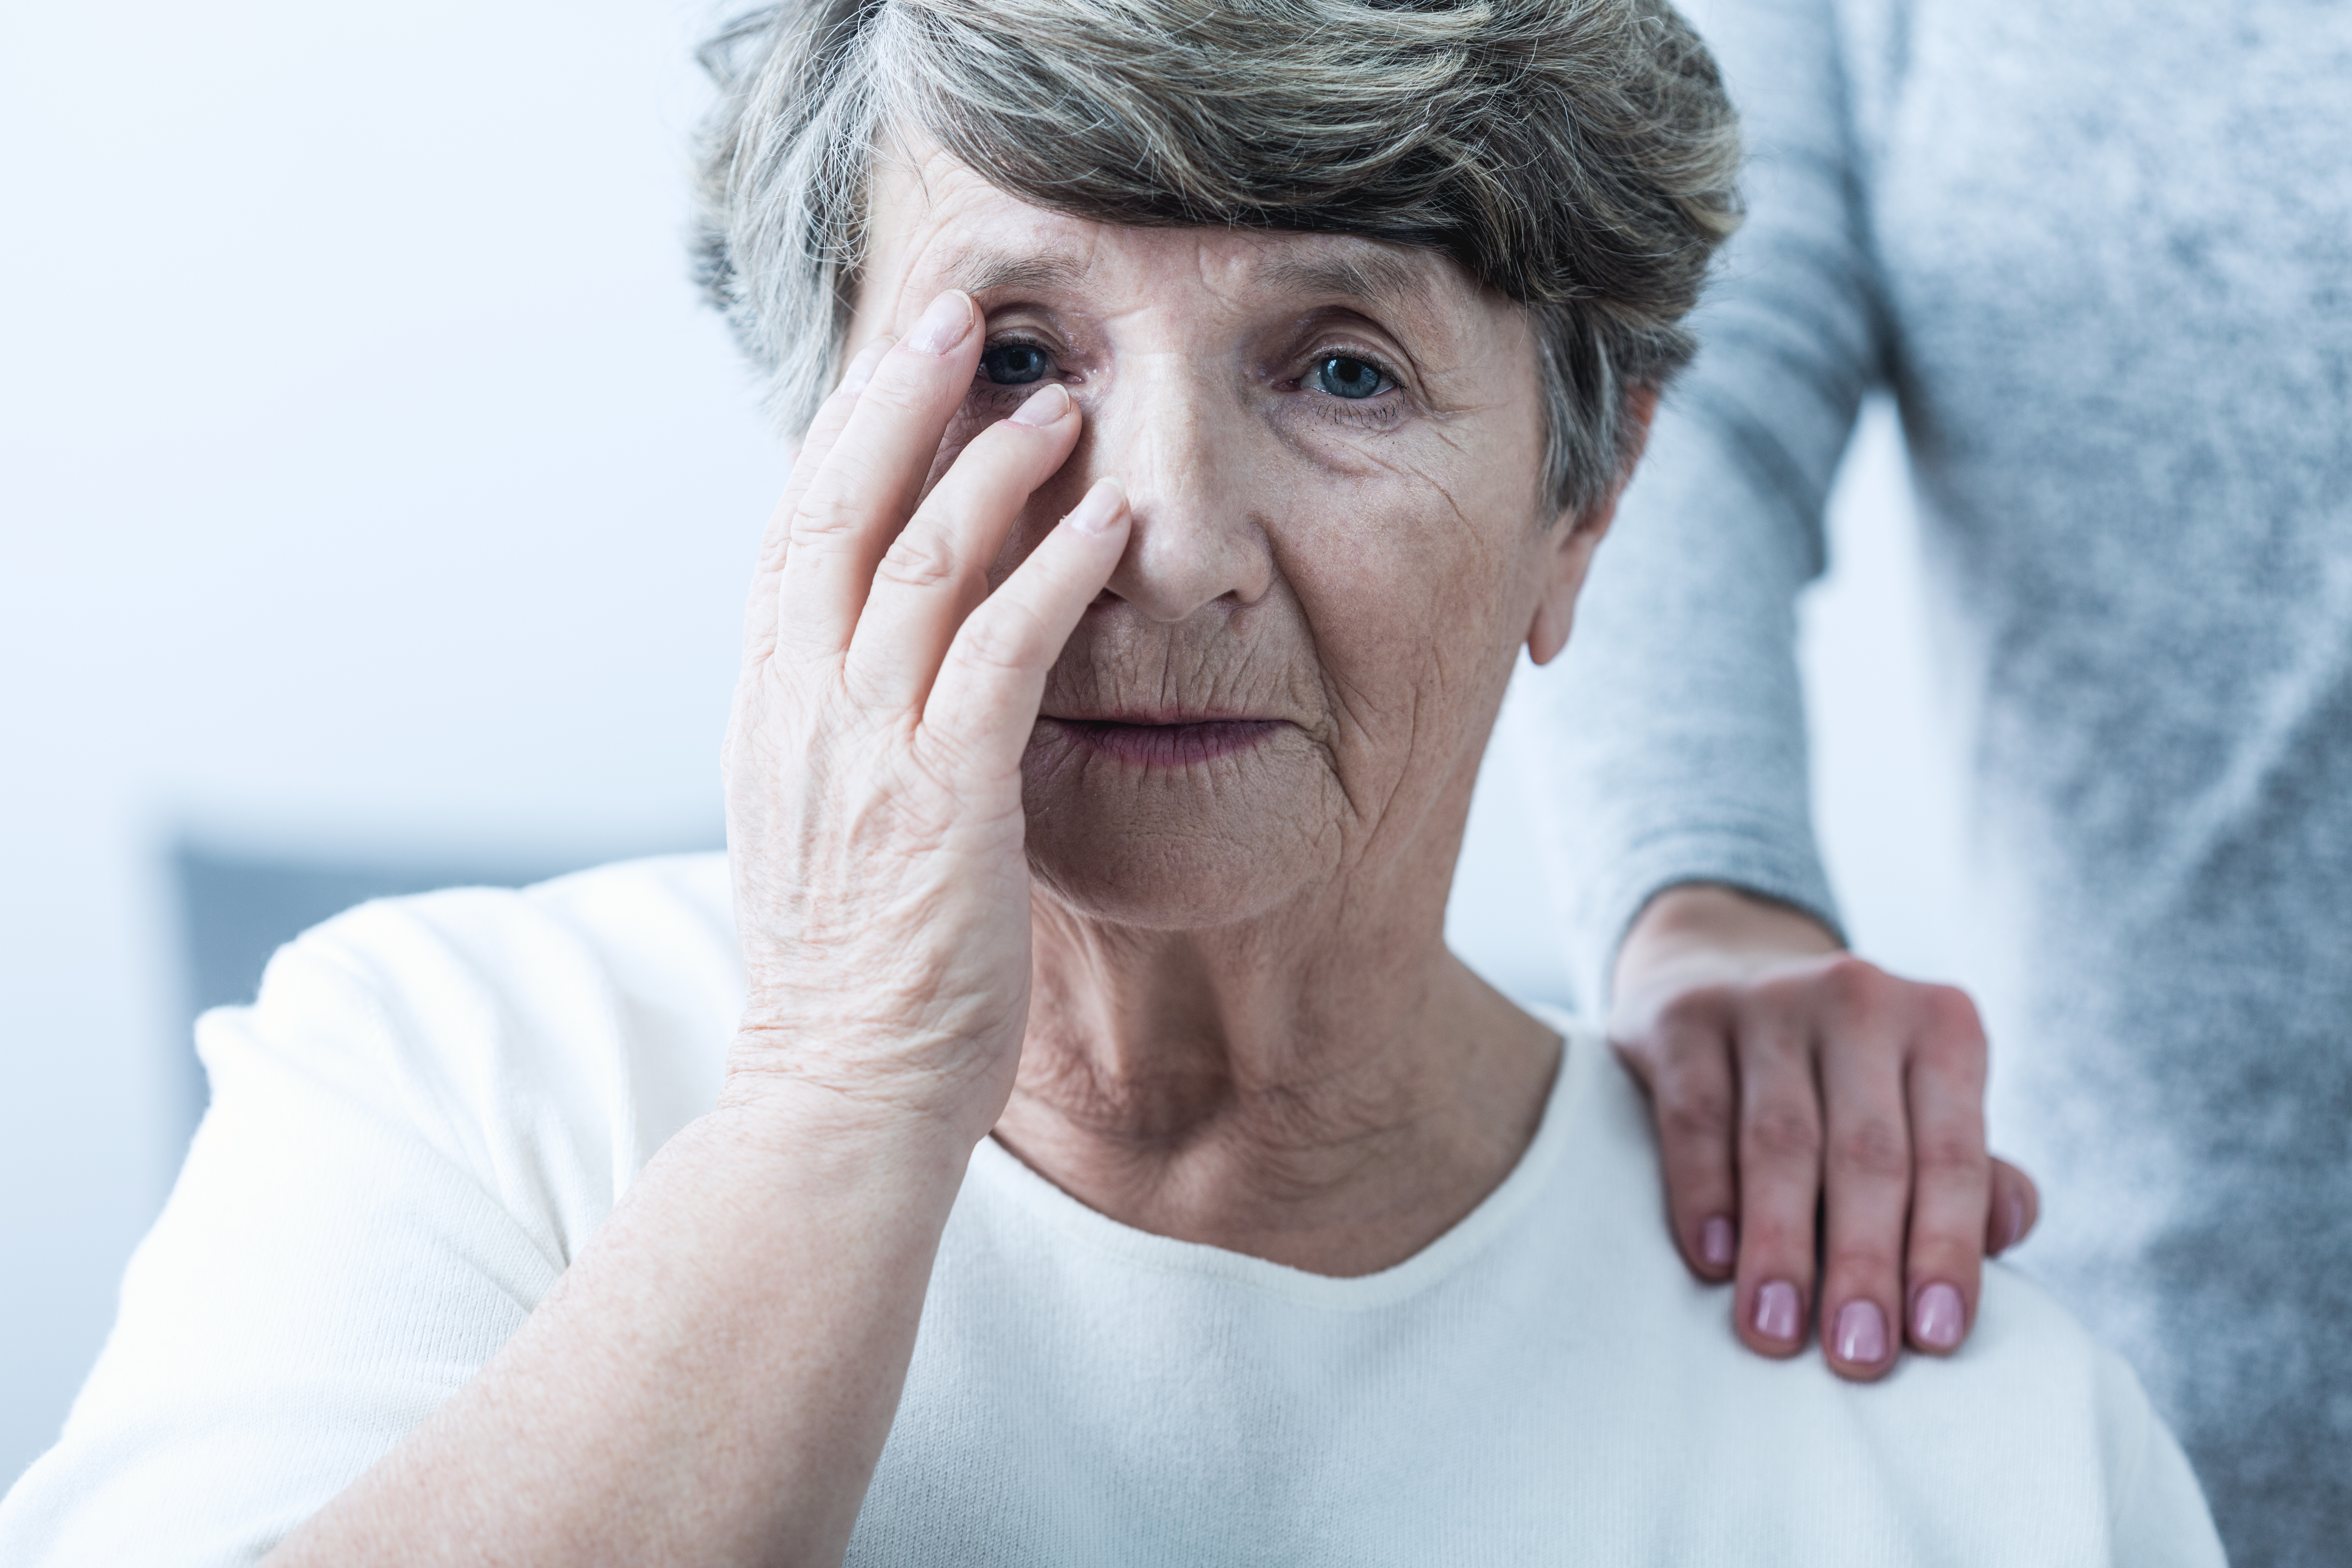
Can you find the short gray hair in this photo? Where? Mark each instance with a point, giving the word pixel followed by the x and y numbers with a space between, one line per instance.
pixel 1577 156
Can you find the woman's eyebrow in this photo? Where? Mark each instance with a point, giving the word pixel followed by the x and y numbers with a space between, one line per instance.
pixel 978 272
pixel 1375 279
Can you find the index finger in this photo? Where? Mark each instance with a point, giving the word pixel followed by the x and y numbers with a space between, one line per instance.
pixel 1685 1059
pixel 775 540
pixel 862 491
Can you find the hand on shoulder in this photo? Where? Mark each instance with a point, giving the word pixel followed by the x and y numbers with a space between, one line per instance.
pixel 1798 1088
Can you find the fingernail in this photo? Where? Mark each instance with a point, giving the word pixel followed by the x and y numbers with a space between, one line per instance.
pixel 944 325
pixel 1100 508
pixel 861 369
pixel 1045 407
pixel 1861 1333
pixel 1776 1310
pixel 1718 1244
pixel 1936 1316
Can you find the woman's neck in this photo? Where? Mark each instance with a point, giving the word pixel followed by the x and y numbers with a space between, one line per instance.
pixel 1335 1107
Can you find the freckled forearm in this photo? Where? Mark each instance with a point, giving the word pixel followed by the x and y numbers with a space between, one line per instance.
pixel 711 1381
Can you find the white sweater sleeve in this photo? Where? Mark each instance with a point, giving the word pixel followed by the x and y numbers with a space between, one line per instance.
pixel 347 1244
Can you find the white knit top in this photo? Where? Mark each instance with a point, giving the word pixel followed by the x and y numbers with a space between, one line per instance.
pixel 437 1099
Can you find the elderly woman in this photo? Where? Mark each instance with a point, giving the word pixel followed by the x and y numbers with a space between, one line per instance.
pixel 1056 1131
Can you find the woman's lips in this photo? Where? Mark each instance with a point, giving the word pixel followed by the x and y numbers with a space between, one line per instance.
pixel 1167 745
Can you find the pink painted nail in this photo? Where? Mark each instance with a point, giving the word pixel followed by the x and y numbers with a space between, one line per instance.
pixel 1100 508
pixel 1861 1333
pixel 1776 1310
pixel 1937 1318
pixel 1718 1244
pixel 944 325
pixel 1045 407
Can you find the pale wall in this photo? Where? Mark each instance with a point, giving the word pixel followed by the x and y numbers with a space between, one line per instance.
pixel 372 484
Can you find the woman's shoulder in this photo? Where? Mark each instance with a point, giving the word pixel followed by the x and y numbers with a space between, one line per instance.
pixel 2023 1332
pixel 638 955
pixel 432 1105
pixel 547 1038
pixel 2034 1408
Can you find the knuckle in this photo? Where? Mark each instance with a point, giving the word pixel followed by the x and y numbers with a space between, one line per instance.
pixel 920 557
pixel 1784 1009
pixel 1954 1039
pixel 823 518
pixel 1687 1015
pixel 1849 969
pixel 1954 1009
pixel 1009 639
pixel 776 533
pixel 947 765
pixel 1947 1153
pixel 1852 985
pixel 1695 1093
pixel 1873 1148
pixel 1782 1134
pixel 1946 1057
pixel 1774 1050
pixel 1699 1117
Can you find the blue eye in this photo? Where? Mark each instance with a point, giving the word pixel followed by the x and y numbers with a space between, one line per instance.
pixel 1344 377
pixel 1014 364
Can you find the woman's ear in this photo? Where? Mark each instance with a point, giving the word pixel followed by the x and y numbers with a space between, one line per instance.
pixel 1574 539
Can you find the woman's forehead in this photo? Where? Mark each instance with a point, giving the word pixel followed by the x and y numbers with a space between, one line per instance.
pixel 936 225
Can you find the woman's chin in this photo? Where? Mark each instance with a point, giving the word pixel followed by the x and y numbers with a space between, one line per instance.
pixel 1150 901
pixel 1164 841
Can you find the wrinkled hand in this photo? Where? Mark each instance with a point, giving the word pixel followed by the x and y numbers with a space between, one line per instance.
pixel 873 762
pixel 1790 1080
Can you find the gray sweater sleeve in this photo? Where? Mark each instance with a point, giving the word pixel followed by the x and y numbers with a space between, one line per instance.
pixel 1669 740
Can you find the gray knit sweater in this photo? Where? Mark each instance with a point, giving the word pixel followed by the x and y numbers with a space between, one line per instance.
pixel 2101 251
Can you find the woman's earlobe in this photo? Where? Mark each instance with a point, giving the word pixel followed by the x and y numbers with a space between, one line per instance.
pixel 1581 535
pixel 1548 632
pixel 1574 538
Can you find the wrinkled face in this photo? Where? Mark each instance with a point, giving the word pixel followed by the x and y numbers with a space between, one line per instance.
pixel 1333 449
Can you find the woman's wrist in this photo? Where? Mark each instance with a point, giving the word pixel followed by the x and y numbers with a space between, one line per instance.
pixel 774 1106
pixel 1710 926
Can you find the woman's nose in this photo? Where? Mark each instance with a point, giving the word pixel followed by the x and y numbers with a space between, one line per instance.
pixel 1183 451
